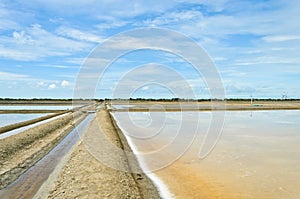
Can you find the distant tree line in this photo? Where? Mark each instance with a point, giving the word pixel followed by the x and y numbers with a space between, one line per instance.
pixel 145 99
pixel 197 100
pixel 33 99
pixel 45 99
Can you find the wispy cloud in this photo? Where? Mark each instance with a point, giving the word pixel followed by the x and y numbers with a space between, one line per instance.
pixel 252 43
pixel 35 43
pixel 52 86
pixel 79 35
pixel 280 38
pixel 13 76
pixel 65 83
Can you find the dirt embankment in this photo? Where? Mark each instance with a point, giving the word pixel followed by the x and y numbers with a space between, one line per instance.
pixel 84 176
pixel 19 152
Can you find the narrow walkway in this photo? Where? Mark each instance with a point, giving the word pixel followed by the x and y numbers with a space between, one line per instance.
pixel 86 177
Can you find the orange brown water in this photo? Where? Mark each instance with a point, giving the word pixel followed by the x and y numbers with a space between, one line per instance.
pixel 257 155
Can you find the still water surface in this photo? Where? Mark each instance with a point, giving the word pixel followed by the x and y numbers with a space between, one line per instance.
pixel 6 119
pixel 257 155
pixel 54 107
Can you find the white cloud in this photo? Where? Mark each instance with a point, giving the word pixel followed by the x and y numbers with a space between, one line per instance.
pixel 52 86
pixel 16 54
pixel 281 38
pixel 41 84
pixel 28 80
pixel 6 18
pixel 34 43
pixel 270 33
pixel 216 6
pixel 118 8
pixel 75 60
pixel 21 37
pixel 144 88
pixel 174 18
pixel 79 35
pixel 12 76
pixel 272 18
pixel 7 24
pixel 65 83
pixel 267 60
pixel 111 22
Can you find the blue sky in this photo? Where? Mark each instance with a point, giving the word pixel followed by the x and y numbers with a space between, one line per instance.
pixel 255 45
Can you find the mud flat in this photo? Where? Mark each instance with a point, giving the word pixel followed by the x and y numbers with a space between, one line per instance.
pixel 84 176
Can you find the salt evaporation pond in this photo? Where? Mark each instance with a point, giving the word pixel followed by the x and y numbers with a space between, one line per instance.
pixel 6 119
pixel 257 155
pixel 36 107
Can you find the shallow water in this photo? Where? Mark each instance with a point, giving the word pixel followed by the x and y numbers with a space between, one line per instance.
pixel 179 106
pixel 6 119
pixel 37 107
pixel 257 155
pixel 24 128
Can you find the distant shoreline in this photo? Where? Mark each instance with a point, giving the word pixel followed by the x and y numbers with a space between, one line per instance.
pixel 70 101
pixel 142 105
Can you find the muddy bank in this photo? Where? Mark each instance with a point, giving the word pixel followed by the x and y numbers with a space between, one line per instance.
pixel 84 176
pixel 19 152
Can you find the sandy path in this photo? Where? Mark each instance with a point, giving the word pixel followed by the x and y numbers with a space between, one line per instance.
pixel 85 177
